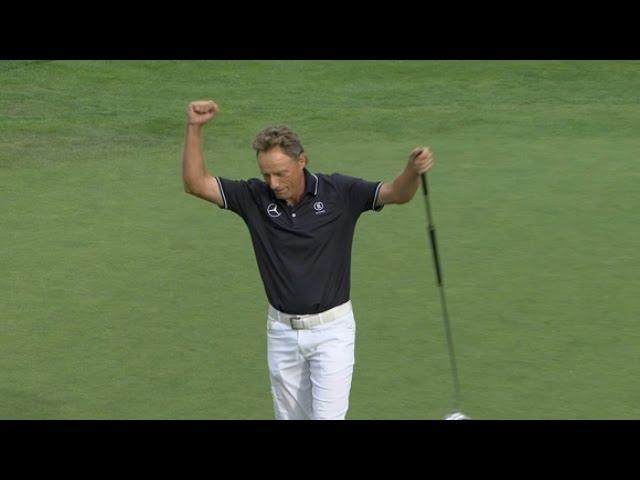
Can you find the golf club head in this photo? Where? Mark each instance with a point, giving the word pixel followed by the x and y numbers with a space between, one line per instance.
pixel 457 416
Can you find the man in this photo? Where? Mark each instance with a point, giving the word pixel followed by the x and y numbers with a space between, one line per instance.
pixel 301 225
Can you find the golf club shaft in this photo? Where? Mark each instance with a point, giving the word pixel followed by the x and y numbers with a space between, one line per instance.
pixel 436 261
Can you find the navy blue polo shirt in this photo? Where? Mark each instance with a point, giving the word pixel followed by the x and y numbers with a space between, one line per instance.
pixel 304 251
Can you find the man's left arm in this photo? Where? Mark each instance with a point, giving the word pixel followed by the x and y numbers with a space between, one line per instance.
pixel 404 187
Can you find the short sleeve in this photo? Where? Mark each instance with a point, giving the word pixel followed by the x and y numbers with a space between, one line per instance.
pixel 361 194
pixel 236 195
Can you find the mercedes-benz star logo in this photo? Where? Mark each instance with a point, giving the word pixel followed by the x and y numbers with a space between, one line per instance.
pixel 272 210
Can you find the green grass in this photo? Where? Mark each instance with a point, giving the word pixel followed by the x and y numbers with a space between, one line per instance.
pixel 123 298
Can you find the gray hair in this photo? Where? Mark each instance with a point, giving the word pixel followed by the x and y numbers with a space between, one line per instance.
pixel 280 136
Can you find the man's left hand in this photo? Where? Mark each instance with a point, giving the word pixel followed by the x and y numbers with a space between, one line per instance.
pixel 421 160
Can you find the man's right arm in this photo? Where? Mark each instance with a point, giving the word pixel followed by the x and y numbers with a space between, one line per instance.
pixel 197 181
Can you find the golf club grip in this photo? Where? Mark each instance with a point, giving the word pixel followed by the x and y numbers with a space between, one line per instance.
pixel 423 177
pixel 436 258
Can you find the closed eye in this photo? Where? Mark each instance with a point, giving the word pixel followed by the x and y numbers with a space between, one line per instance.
pixel 277 174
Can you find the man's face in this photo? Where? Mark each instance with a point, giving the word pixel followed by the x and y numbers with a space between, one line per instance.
pixel 283 174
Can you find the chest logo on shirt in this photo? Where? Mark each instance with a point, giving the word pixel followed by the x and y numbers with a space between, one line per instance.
pixel 272 210
pixel 319 208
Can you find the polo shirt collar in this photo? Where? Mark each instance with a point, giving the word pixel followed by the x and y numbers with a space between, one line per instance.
pixel 312 182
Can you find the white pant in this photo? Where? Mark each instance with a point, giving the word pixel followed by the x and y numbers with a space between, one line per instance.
pixel 311 369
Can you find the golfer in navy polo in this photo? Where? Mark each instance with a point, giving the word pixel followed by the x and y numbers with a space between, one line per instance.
pixel 301 226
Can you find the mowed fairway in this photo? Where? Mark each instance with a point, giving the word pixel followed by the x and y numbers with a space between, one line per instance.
pixel 121 297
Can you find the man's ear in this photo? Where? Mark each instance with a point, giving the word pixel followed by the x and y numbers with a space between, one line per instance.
pixel 302 159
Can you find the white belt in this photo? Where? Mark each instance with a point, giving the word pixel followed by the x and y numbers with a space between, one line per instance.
pixel 298 322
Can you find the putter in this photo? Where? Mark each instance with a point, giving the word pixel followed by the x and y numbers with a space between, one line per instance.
pixel 456 414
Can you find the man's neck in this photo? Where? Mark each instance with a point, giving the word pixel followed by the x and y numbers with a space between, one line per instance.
pixel 295 199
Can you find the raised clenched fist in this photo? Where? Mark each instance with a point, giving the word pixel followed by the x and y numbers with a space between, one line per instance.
pixel 201 111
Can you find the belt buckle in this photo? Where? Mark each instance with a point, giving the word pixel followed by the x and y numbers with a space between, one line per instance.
pixel 292 321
